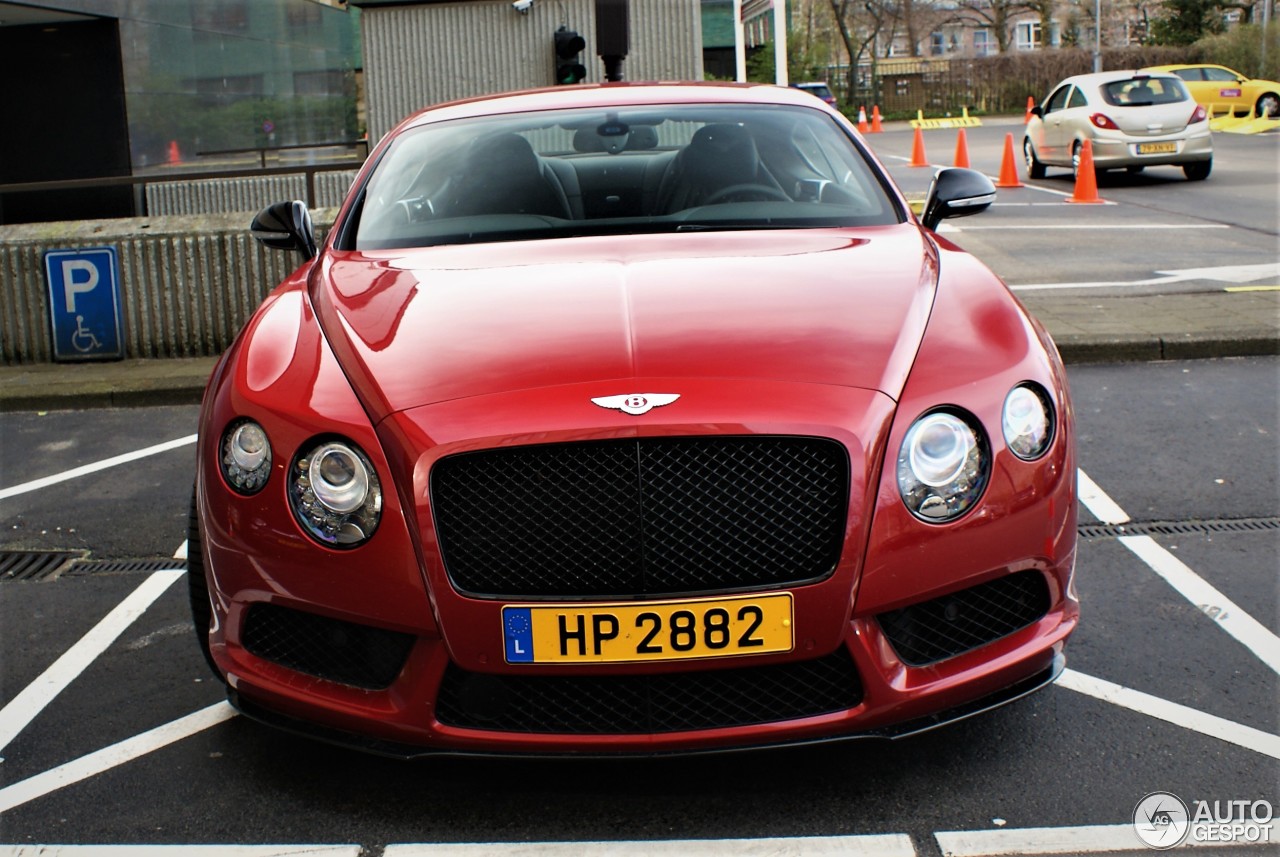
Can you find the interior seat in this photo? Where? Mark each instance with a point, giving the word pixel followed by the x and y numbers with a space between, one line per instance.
pixel 503 175
pixel 717 157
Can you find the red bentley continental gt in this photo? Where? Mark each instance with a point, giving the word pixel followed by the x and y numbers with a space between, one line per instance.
pixel 632 419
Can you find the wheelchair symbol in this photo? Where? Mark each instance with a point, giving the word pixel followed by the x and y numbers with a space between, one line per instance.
pixel 82 339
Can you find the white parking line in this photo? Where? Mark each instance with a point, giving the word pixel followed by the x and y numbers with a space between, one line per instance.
pixel 1251 633
pixel 1110 227
pixel 1172 712
pixel 1228 615
pixel 1094 839
pixel 179 851
pixel 110 757
pixel 85 470
pixel 1097 502
pixel 1222 273
pixel 24 707
pixel 886 845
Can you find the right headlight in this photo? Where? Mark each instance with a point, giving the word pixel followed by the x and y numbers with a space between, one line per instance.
pixel 1027 421
pixel 943 466
pixel 335 493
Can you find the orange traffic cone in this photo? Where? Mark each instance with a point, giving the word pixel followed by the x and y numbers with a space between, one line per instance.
pixel 962 150
pixel 1086 178
pixel 918 158
pixel 1031 102
pixel 175 156
pixel 863 127
pixel 1009 166
pixel 876 127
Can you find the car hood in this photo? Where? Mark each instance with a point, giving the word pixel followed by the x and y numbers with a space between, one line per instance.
pixel 417 327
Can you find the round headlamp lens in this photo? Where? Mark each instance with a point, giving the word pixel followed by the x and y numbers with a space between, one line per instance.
pixel 339 478
pixel 943 466
pixel 938 447
pixel 335 493
pixel 246 457
pixel 1027 422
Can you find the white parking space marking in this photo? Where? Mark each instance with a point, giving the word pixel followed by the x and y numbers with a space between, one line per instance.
pixel 86 469
pixel 1109 227
pixel 110 757
pixel 1226 613
pixel 887 845
pixel 1249 632
pixel 1224 274
pixel 179 851
pixel 1172 712
pixel 1097 502
pixel 1094 839
pixel 24 707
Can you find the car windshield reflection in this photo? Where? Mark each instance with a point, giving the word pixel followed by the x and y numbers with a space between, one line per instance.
pixel 652 169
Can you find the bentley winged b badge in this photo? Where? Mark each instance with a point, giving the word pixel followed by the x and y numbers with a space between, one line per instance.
pixel 636 403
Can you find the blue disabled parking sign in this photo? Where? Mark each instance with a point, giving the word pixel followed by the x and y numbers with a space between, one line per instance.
pixel 84 303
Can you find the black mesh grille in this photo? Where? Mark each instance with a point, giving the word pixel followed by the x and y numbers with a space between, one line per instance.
pixel 339 651
pixel 641 517
pixel 944 627
pixel 638 704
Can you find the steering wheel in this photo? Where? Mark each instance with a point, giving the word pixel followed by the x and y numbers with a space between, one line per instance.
pixel 760 190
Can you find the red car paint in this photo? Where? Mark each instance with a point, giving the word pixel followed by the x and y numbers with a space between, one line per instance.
pixel 417 354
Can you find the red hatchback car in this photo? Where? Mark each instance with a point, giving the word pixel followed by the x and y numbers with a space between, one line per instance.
pixel 632 419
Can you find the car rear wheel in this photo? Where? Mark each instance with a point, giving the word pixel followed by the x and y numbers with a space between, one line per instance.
pixel 1268 106
pixel 198 587
pixel 1198 171
pixel 1035 169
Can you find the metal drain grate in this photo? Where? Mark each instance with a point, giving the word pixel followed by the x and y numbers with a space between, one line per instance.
pixel 1178 528
pixel 34 565
pixel 87 567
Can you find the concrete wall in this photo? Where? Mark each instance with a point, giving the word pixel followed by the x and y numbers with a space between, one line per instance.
pixel 418 55
pixel 187 283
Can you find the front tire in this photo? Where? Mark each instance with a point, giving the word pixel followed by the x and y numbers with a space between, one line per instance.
pixel 1198 171
pixel 1035 169
pixel 198 587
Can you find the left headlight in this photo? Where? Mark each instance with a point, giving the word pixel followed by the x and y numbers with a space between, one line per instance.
pixel 245 457
pixel 335 493
pixel 943 466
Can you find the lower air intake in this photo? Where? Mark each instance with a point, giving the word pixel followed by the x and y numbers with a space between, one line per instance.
pixel 638 704
pixel 343 652
pixel 935 630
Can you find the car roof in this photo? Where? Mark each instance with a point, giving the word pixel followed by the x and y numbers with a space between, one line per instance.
pixel 613 95
pixel 1101 77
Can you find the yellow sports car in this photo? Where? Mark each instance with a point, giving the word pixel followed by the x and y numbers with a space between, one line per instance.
pixel 1222 89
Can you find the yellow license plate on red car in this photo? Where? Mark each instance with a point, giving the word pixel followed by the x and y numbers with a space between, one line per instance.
pixel 1156 148
pixel 647 631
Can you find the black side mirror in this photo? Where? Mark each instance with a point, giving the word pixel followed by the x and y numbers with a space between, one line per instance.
pixel 1037 111
pixel 956 192
pixel 285 226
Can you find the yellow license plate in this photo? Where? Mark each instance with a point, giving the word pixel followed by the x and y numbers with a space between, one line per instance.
pixel 1156 148
pixel 648 631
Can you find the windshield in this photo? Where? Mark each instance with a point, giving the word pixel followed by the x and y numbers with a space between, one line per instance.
pixel 622 170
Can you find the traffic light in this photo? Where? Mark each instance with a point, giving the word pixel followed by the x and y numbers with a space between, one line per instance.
pixel 568 45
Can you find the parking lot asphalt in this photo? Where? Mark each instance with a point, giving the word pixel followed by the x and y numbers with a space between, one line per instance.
pixel 1088 328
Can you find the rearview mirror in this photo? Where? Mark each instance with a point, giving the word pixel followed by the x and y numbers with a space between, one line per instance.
pixel 956 192
pixel 285 226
